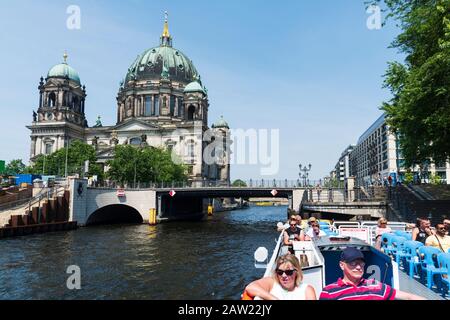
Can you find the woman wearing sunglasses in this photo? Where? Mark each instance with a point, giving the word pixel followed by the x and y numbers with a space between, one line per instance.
pixel 285 284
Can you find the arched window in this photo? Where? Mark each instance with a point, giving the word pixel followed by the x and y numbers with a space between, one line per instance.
pixel 48 148
pixel 172 105
pixel 156 106
pixel 52 99
pixel 180 108
pixel 135 141
pixel 75 103
pixel 191 149
pixel 148 106
pixel 191 112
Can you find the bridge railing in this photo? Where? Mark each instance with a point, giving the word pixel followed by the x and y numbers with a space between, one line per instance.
pixel 251 183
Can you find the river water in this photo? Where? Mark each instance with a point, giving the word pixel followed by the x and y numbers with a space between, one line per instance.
pixel 210 259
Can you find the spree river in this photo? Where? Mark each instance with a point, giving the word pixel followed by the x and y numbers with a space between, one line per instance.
pixel 210 259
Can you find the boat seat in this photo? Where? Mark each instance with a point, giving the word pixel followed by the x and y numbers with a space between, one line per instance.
pixel 428 263
pixel 386 242
pixel 444 264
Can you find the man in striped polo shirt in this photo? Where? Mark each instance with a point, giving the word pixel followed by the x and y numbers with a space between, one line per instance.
pixel 354 287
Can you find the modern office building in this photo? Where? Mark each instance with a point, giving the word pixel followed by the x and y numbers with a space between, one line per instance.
pixel 377 156
pixel 342 168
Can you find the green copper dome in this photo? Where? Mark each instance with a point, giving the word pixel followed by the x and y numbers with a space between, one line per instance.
pixel 162 62
pixel 63 70
pixel 149 65
pixel 194 86
pixel 221 123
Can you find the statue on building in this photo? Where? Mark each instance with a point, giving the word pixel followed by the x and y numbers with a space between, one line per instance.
pixel 144 140
pixel 34 116
pixel 95 142
pixel 114 140
pixel 165 72
pixel 98 123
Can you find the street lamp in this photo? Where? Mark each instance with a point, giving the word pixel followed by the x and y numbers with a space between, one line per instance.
pixel 66 143
pixel 305 170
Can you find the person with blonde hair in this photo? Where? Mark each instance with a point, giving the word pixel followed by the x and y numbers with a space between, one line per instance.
pixel 285 283
pixel 381 228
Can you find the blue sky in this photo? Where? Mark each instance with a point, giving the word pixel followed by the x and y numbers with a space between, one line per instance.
pixel 311 69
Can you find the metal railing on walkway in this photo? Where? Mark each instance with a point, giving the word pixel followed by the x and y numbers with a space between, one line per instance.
pixel 45 193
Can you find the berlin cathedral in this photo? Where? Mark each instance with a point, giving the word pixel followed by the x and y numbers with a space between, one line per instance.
pixel 161 103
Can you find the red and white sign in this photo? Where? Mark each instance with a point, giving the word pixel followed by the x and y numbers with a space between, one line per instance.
pixel 172 193
pixel 120 192
pixel 274 192
pixel 360 233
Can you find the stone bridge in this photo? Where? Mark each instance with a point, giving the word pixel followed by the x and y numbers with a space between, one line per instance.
pixel 99 205
pixel 95 205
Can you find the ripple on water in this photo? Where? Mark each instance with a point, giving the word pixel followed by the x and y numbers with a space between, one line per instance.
pixel 211 259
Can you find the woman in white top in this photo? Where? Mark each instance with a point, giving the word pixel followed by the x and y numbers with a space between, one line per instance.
pixel 381 228
pixel 285 284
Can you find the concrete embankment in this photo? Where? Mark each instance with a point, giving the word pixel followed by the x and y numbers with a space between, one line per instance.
pixel 50 215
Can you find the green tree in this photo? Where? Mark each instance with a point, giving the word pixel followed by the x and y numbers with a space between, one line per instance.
pixel 239 183
pixel 332 183
pixel 15 167
pixel 435 179
pixel 409 178
pixel 77 153
pixel 420 107
pixel 144 164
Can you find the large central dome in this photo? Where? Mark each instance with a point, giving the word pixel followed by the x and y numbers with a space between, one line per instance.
pixel 149 65
pixel 160 61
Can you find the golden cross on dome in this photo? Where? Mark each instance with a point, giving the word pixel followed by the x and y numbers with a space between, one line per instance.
pixel 65 56
pixel 166 33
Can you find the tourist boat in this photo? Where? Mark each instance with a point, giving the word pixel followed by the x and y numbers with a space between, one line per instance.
pixel 320 260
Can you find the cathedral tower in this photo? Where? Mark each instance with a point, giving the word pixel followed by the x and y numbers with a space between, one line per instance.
pixel 60 114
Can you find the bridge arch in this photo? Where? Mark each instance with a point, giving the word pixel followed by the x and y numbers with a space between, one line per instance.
pixel 114 214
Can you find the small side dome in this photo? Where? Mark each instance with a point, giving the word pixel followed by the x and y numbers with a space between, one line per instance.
pixel 63 70
pixel 221 123
pixel 194 86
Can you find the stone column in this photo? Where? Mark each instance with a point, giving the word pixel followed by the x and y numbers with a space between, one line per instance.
pixel 60 99
pixel 40 100
pixel 33 147
pixel 38 145
pixel 175 110
pixel 136 106
pixel 350 189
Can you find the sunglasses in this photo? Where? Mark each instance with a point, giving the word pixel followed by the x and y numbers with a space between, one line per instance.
pixel 353 264
pixel 288 272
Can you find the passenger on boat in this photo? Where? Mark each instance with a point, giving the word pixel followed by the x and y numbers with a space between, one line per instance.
pixel 291 234
pixel 354 287
pixel 311 220
pixel 314 232
pixel 285 284
pixel 298 218
pixel 446 222
pixel 422 230
pixel 381 228
pixel 439 240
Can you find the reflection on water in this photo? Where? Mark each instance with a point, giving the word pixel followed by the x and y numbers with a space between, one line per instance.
pixel 211 259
